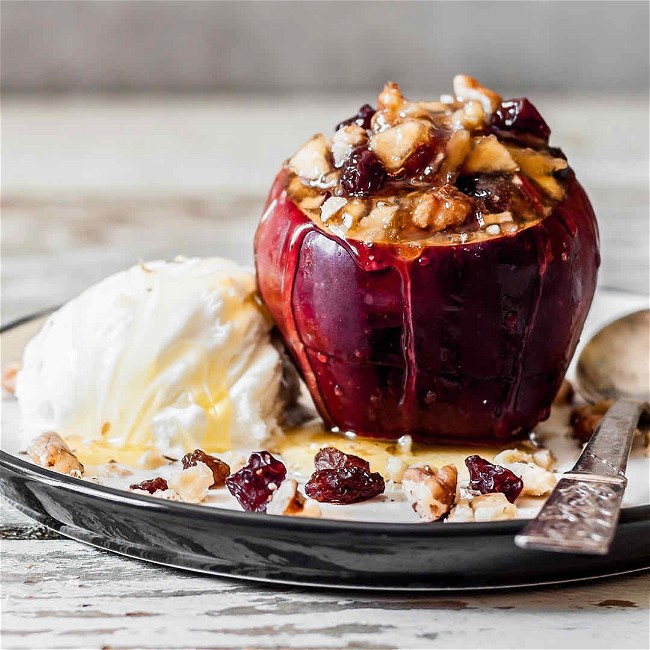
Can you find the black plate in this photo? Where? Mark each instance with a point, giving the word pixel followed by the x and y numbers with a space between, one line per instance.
pixel 319 552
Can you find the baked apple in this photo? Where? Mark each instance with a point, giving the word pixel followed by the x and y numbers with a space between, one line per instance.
pixel 430 267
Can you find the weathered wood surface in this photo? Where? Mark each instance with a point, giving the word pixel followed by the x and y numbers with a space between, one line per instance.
pixel 60 594
pixel 91 186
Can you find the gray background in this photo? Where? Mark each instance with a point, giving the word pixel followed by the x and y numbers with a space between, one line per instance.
pixel 322 46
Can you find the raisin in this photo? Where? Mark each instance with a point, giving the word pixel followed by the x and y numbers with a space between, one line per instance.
pixel 362 173
pixel 254 484
pixel 151 485
pixel 220 470
pixel 347 484
pixel 362 118
pixel 488 478
pixel 331 458
pixel 520 120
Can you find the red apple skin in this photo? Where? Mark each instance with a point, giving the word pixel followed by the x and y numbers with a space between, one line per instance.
pixel 455 344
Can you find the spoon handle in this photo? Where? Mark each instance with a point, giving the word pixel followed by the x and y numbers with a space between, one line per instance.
pixel 581 514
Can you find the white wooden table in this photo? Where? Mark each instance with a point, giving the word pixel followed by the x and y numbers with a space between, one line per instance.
pixel 91 186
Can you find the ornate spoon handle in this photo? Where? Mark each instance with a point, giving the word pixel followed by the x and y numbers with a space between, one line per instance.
pixel 581 514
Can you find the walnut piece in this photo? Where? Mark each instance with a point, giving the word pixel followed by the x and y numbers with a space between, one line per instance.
pixel 537 479
pixel 461 512
pixel 471 116
pixel 51 450
pixel 431 491
pixel 493 507
pixel 287 500
pixel 192 484
pixel 395 468
pixel 390 104
pixel 9 377
pixel 467 88
pixel 440 208
pixel 484 507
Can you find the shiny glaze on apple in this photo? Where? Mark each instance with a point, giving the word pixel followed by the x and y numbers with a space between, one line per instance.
pixel 447 343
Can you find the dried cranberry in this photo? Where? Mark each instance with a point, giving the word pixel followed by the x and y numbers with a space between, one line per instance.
pixel 519 119
pixel 342 478
pixel 488 478
pixel 362 174
pixel 254 484
pixel 331 458
pixel 220 470
pixel 151 485
pixel 362 118
pixel 347 484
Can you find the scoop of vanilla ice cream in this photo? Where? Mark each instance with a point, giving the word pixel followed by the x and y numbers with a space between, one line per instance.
pixel 167 356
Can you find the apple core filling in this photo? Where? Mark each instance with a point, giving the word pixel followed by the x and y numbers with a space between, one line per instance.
pixel 470 166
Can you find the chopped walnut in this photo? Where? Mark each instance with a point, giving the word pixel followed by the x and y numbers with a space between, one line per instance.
pixel 311 161
pixel 396 145
pixel 489 156
pixel 390 104
pixel 51 450
pixel 493 507
pixel 470 116
pixel 9 377
pixel 461 512
pixel 467 88
pixel 544 458
pixel 346 139
pixel 193 483
pixel 441 208
pixel 538 480
pixel 287 500
pixel 431 491
pixel 395 468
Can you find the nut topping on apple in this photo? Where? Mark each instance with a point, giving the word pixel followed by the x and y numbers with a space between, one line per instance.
pixel 430 248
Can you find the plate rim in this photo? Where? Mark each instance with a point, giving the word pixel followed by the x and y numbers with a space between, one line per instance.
pixel 397 529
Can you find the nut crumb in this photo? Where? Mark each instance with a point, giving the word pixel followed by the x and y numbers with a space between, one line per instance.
pixel 193 483
pixel 467 88
pixel 51 450
pixel 537 478
pixel 9 377
pixel 493 507
pixel 395 468
pixel 287 500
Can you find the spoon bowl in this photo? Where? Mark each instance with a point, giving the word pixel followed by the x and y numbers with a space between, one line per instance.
pixel 615 363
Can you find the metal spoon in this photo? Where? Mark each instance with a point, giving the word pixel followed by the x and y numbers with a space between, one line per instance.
pixel 581 514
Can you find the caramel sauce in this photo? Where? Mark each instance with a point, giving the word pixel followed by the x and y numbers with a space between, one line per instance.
pixel 298 446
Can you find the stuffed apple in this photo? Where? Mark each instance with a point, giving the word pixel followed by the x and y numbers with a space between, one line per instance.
pixel 430 267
